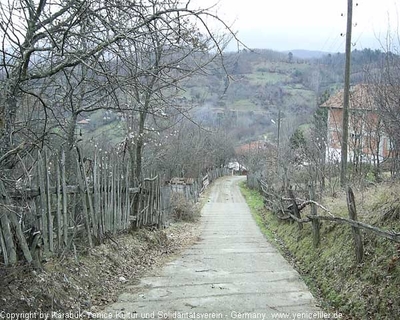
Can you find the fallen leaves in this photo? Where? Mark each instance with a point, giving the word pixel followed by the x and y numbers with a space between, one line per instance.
pixel 98 276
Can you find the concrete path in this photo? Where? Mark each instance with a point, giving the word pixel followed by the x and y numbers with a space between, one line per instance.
pixel 232 272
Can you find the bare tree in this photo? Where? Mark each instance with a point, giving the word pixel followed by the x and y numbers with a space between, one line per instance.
pixel 65 58
pixel 384 82
pixel 165 53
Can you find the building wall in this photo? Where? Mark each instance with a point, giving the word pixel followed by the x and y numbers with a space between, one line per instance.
pixel 364 135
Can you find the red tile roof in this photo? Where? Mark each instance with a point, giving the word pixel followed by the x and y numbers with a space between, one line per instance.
pixel 361 98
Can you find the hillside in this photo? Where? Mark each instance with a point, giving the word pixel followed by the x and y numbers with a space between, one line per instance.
pixel 260 83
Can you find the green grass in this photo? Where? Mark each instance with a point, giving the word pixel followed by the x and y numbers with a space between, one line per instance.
pixel 267 78
pixel 296 96
pixel 255 202
pixel 330 270
pixel 244 105
pixel 113 132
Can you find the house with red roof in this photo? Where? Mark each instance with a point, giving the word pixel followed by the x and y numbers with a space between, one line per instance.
pixel 367 140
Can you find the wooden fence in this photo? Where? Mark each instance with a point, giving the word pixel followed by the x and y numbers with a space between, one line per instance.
pixel 289 207
pixel 190 188
pixel 46 216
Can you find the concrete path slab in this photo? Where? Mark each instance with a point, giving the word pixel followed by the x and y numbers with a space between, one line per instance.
pixel 232 272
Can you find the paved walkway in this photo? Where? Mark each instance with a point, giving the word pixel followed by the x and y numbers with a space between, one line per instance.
pixel 232 272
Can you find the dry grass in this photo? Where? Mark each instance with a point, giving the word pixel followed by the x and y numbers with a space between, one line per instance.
pixel 183 209
pixel 377 205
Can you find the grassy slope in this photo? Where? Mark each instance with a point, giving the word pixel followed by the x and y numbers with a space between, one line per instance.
pixel 367 291
pixel 282 74
pixel 258 76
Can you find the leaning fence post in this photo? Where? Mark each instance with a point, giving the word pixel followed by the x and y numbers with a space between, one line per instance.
pixel 315 222
pixel 351 206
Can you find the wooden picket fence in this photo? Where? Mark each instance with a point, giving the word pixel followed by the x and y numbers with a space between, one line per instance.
pixel 47 216
pixel 192 188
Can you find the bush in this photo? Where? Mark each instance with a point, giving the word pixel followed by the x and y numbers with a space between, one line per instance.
pixel 183 209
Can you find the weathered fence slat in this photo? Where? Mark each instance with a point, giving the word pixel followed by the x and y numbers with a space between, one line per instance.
pixel 96 200
pixel 43 202
pixel 58 202
pixel 139 208
pixel 89 198
pixel 113 202
pixel 315 223
pixel 10 251
pixel 160 212
pixel 3 247
pixel 64 200
pixel 21 238
pixel 84 205
pixel 108 197
pixel 149 201
pixel 117 197
pixel 127 200
pixel 48 203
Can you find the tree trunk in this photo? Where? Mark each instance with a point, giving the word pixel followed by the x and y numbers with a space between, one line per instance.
pixel 69 163
pixel 7 123
pixel 139 146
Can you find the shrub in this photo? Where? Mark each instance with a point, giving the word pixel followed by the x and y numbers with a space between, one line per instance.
pixel 183 209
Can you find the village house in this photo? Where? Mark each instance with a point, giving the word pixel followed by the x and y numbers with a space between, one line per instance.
pixel 367 140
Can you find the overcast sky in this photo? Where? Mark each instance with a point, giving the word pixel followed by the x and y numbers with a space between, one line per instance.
pixel 308 24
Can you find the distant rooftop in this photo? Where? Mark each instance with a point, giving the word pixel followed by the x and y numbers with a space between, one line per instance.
pixel 361 98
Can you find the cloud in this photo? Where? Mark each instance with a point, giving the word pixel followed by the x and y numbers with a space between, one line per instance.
pixel 307 24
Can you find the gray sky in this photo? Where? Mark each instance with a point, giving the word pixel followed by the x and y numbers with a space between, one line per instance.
pixel 308 24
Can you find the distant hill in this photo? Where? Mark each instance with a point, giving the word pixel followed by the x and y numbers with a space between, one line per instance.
pixel 262 83
pixel 307 54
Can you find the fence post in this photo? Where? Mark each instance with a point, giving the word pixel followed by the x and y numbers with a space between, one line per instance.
pixel 315 222
pixel 351 206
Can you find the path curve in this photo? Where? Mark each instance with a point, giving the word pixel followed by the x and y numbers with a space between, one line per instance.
pixel 232 272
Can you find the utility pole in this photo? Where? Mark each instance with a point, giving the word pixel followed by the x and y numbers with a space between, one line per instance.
pixel 346 96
